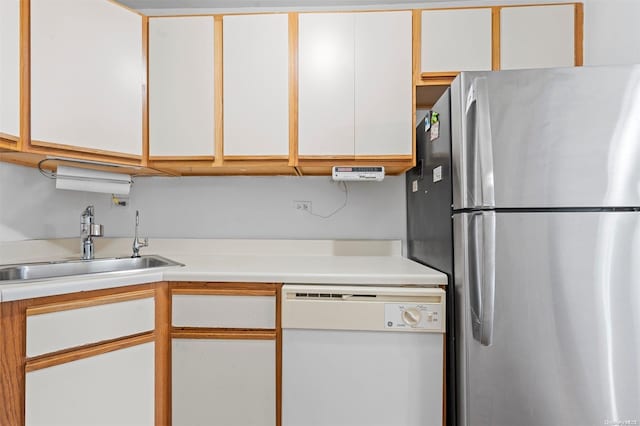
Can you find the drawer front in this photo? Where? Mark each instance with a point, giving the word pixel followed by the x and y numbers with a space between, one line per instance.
pixel 222 311
pixel 71 327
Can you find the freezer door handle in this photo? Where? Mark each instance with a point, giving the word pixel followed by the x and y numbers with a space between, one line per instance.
pixel 482 274
pixel 480 146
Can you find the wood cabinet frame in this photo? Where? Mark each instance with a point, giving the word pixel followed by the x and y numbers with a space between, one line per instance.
pixel 426 89
pixel 14 363
pixel 226 289
pixel 444 79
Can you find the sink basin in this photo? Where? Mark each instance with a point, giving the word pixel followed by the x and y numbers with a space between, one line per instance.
pixel 43 270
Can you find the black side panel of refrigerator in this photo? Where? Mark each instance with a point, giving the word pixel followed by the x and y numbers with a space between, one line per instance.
pixel 429 219
pixel 429 193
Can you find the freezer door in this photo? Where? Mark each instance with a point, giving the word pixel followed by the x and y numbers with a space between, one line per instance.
pixel 551 335
pixel 559 138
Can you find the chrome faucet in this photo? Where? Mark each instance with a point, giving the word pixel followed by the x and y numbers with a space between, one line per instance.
pixel 88 230
pixel 138 242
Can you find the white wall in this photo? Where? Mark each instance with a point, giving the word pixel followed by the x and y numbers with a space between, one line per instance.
pixel 205 207
pixel 611 32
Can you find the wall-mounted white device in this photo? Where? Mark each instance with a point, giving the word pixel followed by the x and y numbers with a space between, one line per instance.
pixel 349 173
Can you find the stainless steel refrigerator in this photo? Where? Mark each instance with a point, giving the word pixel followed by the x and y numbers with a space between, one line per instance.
pixel 527 194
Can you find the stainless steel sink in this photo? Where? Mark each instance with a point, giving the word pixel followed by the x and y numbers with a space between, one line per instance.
pixel 43 270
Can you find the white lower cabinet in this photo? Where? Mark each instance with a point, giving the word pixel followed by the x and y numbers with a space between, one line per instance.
pixel 230 382
pixel 113 388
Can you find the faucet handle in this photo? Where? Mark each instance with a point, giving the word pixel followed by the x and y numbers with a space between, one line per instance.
pixel 96 230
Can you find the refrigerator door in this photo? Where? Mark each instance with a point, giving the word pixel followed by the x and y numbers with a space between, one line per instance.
pixel 553 138
pixel 551 336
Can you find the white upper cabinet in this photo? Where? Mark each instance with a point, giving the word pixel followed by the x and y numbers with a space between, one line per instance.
pixel 87 76
pixel 9 68
pixel 326 89
pixel 355 84
pixel 383 84
pixel 256 85
pixel 537 36
pixel 456 40
pixel 181 87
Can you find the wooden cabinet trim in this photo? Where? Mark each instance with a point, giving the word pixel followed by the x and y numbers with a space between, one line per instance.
pixel 578 37
pixel 177 287
pixel 222 333
pixel 25 75
pixel 256 158
pixel 87 351
pixel 495 38
pixel 13 326
pixel 163 355
pixel 445 78
pixel 293 89
pixel 93 301
pixel 67 149
pixel 145 89
pixel 218 109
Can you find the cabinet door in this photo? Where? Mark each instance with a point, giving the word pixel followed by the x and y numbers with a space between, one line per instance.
pixel 383 84
pixel 537 36
pixel 326 84
pixel 9 69
pixel 87 76
pixel 223 382
pixel 455 40
pixel 181 87
pixel 113 388
pixel 256 85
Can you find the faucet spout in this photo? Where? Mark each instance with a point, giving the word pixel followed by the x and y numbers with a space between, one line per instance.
pixel 138 242
pixel 88 230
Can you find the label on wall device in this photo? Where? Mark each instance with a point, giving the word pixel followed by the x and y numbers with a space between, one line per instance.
pixel 353 173
pixel 414 186
pixel 437 174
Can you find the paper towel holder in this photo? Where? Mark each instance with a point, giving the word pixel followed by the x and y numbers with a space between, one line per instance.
pixel 87 175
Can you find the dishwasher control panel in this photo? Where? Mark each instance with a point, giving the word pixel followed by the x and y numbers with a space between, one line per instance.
pixel 413 316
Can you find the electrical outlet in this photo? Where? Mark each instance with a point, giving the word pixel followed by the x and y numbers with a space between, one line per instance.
pixel 304 206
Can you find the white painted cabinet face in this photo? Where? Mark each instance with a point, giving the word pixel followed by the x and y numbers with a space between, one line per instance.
pixel 113 388
pixel 256 85
pixel 181 87
pixel 537 36
pixel 355 84
pixel 87 75
pixel 326 92
pixel 456 40
pixel 9 68
pixel 383 84
pixel 224 382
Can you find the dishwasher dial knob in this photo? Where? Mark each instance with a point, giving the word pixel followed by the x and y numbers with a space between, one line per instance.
pixel 411 316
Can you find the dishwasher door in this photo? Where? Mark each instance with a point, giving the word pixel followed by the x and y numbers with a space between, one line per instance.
pixel 362 356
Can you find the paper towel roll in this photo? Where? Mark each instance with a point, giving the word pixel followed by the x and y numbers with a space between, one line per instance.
pixel 78 179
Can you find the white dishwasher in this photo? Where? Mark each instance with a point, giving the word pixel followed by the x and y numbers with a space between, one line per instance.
pixel 362 356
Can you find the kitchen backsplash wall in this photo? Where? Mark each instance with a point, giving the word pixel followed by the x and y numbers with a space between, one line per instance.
pixel 205 207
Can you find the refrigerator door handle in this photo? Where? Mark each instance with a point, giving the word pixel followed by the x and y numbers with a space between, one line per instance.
pixel 478 126
pixel 482 274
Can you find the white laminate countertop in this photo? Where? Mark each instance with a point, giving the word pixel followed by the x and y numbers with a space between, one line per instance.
pixel 276 261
